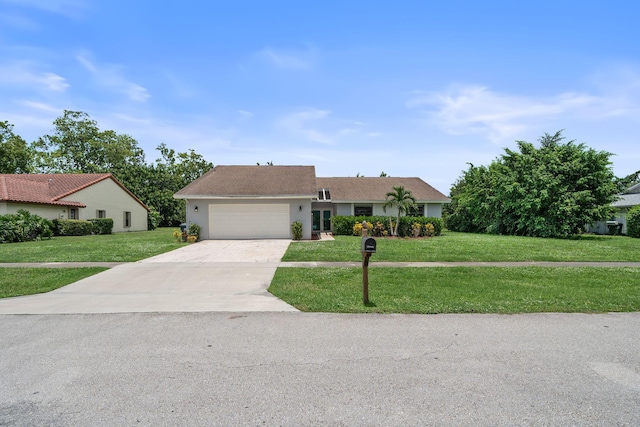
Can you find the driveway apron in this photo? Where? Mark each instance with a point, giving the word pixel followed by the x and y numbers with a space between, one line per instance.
pixel 213 275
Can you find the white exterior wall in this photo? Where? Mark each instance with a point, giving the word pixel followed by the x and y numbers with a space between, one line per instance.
pixel 108 196
pixel 433 210
pixel 344 209
pixel 45 211
pixel 347 209
pixel 295 214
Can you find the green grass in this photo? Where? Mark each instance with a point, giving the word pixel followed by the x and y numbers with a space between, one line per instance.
pixel 27 281
pixel 453 246
pixel 119 247
pixel 461 289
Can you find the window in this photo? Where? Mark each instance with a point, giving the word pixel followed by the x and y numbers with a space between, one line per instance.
pixel 324 194
pixel 127 219
pixel 73 213
pixel 418 211
pixel 363 210
pixel 101 214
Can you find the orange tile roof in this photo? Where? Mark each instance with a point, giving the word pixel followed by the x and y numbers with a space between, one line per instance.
pixel 49 189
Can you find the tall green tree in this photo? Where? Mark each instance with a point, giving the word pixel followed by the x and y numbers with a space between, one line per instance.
pixel 78 145
pixel 15 155
pixel 550 191
pixel 630 180
pixel 471 195
pixel 402 199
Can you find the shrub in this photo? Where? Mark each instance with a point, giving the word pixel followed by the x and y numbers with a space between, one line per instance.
pixel 153 219
pixel 177 234
pixel 296 230
pixel 416 229
pixel 194 230
pixel 102 225
pixel 72 227
pixel 633 222
pixel 344 225
pixel 379 230
pixel 429 229
pixel 23 226
pixel 192 239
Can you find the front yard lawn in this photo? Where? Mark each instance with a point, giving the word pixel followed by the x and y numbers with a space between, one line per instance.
pixel 461 289
pixel 27 281
pixel 452 246
pixel 119 247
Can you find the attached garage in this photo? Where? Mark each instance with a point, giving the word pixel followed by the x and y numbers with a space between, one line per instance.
pixel 249 221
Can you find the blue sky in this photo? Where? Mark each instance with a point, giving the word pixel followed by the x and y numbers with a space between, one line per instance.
pixel 411 88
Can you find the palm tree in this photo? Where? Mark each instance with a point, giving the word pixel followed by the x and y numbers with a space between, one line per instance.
pixel 402 199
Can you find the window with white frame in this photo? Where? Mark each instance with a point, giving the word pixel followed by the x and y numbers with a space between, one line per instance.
pixel 101 214
pixel 324 194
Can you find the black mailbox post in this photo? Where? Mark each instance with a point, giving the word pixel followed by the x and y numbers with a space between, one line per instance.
pixel 367 248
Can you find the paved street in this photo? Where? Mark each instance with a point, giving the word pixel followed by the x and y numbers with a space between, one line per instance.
pixel 299 369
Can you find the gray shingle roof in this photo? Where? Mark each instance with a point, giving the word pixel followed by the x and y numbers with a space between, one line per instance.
pixel 375 189
pixel 627 201
pixel 265 181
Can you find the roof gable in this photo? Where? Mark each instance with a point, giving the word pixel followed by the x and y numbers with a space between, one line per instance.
pixel 258 181
pixel 375 188
pixel 50 189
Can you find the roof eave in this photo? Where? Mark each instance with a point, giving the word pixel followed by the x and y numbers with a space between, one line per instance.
pixel 243 196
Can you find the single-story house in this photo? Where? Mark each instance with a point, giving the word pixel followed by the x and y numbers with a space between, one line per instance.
pixel 627 200
pixel 73 196
pixel 247 202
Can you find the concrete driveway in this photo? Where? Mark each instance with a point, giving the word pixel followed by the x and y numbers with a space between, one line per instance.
pixel 213 275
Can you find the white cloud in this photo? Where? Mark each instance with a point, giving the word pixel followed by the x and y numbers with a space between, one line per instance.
pixel 289 60
pixel 68 8
pixel 111 76
pixel 469 109
pixel 27 74
pixel 302 124
pixel 245 115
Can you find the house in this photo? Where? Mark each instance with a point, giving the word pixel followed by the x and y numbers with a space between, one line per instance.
pixel 627 200
pixel 246 202
pixel 73 196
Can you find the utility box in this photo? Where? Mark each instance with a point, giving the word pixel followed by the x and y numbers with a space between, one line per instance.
pixel 368 245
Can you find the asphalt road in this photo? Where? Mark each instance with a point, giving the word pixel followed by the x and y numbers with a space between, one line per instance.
pixel 299 369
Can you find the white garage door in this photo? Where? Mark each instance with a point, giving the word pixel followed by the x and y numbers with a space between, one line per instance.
pixel 250 221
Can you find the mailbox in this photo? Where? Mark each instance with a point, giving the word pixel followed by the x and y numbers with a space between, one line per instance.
pixel 368 245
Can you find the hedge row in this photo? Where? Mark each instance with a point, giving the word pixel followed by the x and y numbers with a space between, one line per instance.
pixel 23 226
pixel 343 225
pixel 78 227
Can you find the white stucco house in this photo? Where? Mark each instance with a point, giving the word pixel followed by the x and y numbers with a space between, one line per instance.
pixel 73 196
pixel 249 202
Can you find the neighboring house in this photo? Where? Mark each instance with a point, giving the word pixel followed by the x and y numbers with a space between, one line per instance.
pixel 73 196
pixel 244 202
pixel 626 201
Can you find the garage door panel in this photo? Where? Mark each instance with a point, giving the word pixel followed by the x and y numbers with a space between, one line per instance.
pixel 249 221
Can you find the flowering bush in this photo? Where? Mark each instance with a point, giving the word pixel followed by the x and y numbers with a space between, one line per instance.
pixel 379 230
pixel 416 229
pixel 192 239
pixel 357 228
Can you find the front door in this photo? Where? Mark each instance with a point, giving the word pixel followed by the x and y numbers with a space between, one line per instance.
pixel 316 220
pixel 326 220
